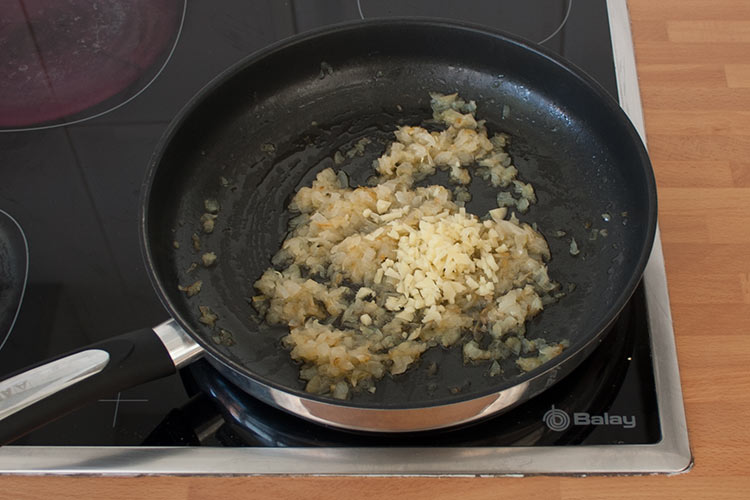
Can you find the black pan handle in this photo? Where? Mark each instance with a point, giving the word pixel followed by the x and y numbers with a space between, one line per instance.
pixel 54 388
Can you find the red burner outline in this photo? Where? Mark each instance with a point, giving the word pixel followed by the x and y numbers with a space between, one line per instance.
pixel 59 84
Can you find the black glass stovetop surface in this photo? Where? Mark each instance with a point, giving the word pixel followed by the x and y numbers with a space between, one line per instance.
pixel 73 152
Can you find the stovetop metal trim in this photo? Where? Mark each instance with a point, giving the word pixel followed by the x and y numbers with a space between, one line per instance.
pixel 671 455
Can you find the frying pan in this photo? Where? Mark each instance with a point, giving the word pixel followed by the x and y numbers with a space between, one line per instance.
pixel 266 126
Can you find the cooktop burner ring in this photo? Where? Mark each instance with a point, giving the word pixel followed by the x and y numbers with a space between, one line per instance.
pixel 553 34
pixel 51 112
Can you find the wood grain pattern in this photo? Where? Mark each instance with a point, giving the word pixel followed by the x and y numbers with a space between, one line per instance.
pixel 665 11
pixel 694 66
pixel 670 52
pixel 738 75
pixel 697 123
pixel 684 74
pixel 709 31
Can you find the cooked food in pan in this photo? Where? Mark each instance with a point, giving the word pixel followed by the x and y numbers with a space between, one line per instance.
pixel 369 277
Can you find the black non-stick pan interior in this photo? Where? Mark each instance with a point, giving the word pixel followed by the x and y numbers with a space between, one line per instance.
pixel 267 126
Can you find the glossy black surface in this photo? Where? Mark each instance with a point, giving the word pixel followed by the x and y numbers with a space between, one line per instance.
pixel 75 191
pixel 65 62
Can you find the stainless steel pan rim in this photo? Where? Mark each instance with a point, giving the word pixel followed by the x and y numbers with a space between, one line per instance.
pixel 399 420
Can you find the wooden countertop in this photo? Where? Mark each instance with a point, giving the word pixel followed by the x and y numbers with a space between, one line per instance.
pixel 694 64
